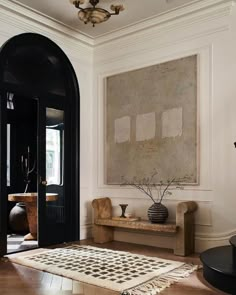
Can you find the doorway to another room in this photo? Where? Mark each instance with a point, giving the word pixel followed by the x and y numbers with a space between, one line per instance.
pixel 21 170
pixel 39 145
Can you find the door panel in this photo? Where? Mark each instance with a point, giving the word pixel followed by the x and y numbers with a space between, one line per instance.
pixel 55 203
pixel 52 204
pixel 3 175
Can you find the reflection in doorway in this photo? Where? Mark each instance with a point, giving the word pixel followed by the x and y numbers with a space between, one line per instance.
pixel 21 170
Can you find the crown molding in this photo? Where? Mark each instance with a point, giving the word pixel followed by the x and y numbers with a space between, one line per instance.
pixel 20 23
pixel 29 14
pixel 195 12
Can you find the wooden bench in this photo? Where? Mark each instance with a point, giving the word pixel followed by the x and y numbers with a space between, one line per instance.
pixel 183 229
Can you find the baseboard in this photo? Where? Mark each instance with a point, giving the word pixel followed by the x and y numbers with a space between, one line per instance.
pixel 85 231
pixel 166 241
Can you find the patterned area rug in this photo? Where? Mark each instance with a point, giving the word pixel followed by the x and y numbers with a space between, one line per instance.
pixel 130 274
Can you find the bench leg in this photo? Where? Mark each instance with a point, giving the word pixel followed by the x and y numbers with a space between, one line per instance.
pixel 185 236
pixel 102 234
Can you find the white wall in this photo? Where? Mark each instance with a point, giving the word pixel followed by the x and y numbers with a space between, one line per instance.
pixel 207 28
pixel 81 57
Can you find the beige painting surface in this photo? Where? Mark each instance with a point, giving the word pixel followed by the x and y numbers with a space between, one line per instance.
pixel 151 122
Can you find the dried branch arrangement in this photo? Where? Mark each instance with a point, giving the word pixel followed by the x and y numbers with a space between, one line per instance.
pixel 149 186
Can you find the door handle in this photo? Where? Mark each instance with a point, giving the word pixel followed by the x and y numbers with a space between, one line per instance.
pixel 44 182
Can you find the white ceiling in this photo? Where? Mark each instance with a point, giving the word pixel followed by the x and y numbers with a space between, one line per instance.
pixel 135 11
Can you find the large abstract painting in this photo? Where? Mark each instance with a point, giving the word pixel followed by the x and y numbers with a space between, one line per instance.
pixel 151 122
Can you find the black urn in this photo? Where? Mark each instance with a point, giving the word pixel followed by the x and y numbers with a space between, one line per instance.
pixel 18 219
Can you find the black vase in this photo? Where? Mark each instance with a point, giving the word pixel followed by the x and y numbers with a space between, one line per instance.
pixel 157 213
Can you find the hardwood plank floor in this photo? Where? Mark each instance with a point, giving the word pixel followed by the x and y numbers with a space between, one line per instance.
pixel 19 280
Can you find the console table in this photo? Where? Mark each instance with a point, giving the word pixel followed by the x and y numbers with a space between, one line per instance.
pixel 30 200
pixel 183 228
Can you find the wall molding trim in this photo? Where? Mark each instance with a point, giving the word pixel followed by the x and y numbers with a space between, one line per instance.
pixel 222 236
pixel 104 56
pixel 195 12
pixel 184 16
pixel 207 241
pixel 171 199
pixel 204 112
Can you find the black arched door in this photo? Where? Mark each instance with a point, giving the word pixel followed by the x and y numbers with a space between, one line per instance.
pixel 38 82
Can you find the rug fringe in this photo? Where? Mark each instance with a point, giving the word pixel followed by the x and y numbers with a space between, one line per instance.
pixel 158 284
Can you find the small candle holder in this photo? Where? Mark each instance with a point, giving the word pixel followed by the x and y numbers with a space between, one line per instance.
pixel 123 208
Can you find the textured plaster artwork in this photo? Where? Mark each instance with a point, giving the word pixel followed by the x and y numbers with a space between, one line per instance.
pixel 151 122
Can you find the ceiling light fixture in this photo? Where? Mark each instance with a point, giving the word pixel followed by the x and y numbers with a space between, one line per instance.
pixel 95 15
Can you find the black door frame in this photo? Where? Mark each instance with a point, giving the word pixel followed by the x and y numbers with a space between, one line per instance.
pixel 3 179
pixel 72 99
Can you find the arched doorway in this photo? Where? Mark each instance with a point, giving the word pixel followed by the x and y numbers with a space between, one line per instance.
pixel 39 131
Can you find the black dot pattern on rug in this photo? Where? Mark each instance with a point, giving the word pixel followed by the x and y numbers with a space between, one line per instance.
pixel 99 263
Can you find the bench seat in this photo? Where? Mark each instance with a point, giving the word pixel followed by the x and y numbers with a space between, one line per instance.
pixel 138 225
pixel 182 229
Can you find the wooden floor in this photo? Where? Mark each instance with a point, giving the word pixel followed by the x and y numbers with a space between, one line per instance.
pixel 20 280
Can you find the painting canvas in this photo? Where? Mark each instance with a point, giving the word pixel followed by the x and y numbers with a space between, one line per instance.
pixel 151 122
